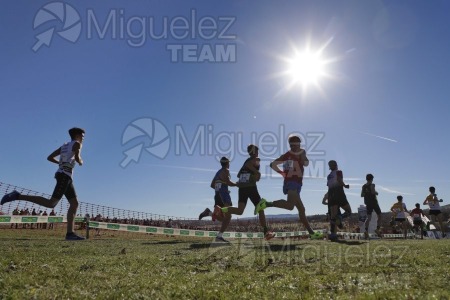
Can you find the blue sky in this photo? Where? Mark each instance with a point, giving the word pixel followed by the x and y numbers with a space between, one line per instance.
pixel 382 108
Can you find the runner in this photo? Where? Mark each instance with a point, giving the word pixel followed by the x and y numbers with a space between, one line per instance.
pixel 417 215
pixel 399 209
pixel 69 154
pixel 339 223
pixel 293 162
pixel 370 200
pixel 220 184
pixel 336 196
pixel 435 209
pixel 248 176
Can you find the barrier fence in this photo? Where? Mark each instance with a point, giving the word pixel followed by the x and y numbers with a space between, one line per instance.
pixel 18 212
pixel 188 232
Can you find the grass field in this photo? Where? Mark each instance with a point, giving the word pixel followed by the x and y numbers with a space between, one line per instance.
pixel 36 265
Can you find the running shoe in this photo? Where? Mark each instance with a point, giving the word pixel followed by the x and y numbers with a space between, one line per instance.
pixel 262 204
pixel 316 235
pixel 269 235
pixel 220 239
pixel 73 237
pixel 217 212
pixel 205 213
pixel 14 195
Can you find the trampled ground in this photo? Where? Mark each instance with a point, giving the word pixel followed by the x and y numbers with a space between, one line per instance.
pixel 35 265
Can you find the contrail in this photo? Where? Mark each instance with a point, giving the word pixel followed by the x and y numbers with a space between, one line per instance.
pixel 184 168
pixel 193 181
pixel 388 190
pixel 378 136
pixel 188 168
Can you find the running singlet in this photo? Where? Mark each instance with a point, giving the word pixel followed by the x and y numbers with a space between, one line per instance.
pixel 292 167
pixel 400 209
pixel 67 159
pixel 219 185
pixel 246 176
pixel 433 202
pixel 369 197
pixel 416 214
pixel 332 178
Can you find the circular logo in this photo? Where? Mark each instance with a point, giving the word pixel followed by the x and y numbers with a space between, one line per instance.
pixel 153 131
pixel 65 15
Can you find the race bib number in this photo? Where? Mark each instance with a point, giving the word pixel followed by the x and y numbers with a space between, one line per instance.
pixel 244 178
pixel 288 165
pixel 417 217
pixel 218 186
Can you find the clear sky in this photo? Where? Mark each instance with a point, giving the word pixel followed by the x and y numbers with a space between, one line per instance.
pixel 177 84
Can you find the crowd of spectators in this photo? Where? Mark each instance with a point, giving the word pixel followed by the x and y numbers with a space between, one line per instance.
pixel 34 212
pixel 248 225
pixel 236 225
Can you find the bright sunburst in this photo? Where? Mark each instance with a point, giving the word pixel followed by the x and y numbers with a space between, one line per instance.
pixel 306 68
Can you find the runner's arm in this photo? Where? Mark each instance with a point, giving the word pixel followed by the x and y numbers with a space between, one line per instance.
pixel 372 188
pixel 51 157
pixel 393 209
pixel 340 180
pixel 305 159
pixel 274 165
pixel 325 199
pixel 251 167
pixel 76 149
pixel 225 177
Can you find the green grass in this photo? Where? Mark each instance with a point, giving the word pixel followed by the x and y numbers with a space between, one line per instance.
pixel 34 265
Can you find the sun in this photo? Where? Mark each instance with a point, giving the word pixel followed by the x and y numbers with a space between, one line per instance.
pixel 306 68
